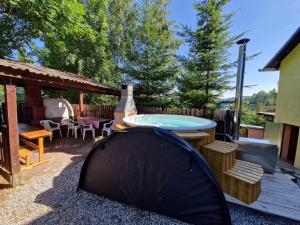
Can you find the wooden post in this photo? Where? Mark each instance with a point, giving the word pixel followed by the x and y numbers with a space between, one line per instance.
pixel 12 133
pixel 81 106
pixel 41 149
pixel 289 143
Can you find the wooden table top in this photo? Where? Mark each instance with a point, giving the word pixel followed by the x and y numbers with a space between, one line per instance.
pixel 192 135
pixel 35 134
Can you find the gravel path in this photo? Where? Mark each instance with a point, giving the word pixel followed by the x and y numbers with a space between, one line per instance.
pixel 54 200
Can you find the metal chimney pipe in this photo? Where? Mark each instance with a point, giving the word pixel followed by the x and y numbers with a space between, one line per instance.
pixel 239 87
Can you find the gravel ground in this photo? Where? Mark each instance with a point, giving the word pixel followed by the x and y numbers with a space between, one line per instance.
pixel 54 200
pixel 246 216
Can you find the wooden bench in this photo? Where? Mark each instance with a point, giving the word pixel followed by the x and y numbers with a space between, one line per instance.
pixel 25 154
pixel 220 156
pixel 194 138
pixel 243 181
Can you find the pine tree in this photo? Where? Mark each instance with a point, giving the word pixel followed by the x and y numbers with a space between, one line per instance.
pixel 150 63
pixel 207 65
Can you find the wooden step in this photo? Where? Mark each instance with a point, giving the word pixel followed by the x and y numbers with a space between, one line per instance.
pixel 221 146
pixel 120 127
pixel 25 154
pixel 192 135
pixel 243 181
pixel 196 139
pixel 220 155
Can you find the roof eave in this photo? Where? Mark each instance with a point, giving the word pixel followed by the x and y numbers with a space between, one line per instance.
pixel 18 72
pixel 274 63
pixel 268 69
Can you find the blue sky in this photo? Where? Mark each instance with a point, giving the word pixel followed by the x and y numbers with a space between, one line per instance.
pixel 269 24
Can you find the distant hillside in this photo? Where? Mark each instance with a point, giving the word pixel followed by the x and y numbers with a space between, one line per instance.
pixel 261 101
pixel 232 99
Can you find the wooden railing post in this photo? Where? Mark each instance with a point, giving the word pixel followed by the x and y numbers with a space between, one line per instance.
pixel 12 133
pixel 81 105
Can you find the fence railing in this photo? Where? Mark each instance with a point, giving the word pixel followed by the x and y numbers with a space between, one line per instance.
pixel 223 118
pixel 103 111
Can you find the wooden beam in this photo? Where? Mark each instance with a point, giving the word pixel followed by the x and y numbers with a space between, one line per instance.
pixel 62 84
pixel 81 105
pixel 12 129
pixel 24 77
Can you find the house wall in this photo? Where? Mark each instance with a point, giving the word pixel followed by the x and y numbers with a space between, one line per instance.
pixel 288 100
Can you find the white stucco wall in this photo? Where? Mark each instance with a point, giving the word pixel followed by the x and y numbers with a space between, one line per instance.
pixel 58 107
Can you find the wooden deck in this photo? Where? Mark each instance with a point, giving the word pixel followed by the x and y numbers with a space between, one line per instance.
pixel 279 196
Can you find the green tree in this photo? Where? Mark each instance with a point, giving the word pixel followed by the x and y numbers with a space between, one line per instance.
pixel 249 116
pixel 73 36
pixel 121 19
pixel 207 67
pixel 149 61
pixel 81 47
pixel 23 21
pixel 263 101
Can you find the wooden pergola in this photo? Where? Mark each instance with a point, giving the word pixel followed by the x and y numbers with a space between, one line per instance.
pixel 34 78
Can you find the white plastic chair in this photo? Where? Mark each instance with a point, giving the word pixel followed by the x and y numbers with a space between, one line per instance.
pixel 51 126
pixel 73 126
pixel 85 128
pixel 107 127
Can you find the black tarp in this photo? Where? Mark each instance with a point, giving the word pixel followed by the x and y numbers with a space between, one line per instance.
pixel 155 170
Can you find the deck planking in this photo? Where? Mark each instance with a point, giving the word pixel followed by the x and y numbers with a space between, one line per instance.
pixel 279 196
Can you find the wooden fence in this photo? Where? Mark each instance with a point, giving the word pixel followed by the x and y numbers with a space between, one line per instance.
pixel 103 111
pixel 274 133
pixel 224 119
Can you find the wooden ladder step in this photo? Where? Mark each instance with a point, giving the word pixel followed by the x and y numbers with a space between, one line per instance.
pixel 243 181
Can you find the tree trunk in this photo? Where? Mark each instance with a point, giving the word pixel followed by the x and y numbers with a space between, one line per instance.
pixel 206 92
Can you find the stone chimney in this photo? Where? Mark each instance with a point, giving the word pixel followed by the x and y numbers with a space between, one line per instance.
pixel 126 106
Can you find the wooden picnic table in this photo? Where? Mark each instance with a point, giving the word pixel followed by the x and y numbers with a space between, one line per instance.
pixel 28 134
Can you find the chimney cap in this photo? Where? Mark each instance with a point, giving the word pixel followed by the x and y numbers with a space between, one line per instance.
pixel 243 41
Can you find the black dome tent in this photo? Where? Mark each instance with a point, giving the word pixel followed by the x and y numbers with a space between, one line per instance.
pixel 155 170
